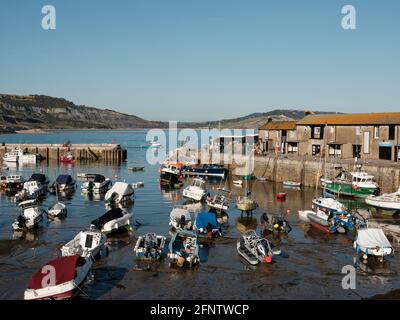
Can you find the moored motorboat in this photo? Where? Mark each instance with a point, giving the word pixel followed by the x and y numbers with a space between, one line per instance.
pixel 357 184
pixel 246 203
pixel 206 170
pixel 206 224
pixel 293 184
pixel 183 249
pixel 171 175
pixel 180 218
pixel 303 215
pixel 63 183
pixel 196 191
pixel 30 190
pixel 13 182
pixel 220 201
pixel 121 192
pixel 275 223
pixel 238 183
pixel 58 209
pixel 149 247
pixel 96 183
pixel 87 243
pixel 67 158
pixel 372 242
pixel 255 249
pixel 388 201
pixel 17 155
pixel 112 221
pixel 40 178
pixel 30 217
pixel 137 185
pixel 69 274
pixel 136 168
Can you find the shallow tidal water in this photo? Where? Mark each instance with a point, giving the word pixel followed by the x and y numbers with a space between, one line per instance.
pixel 309 267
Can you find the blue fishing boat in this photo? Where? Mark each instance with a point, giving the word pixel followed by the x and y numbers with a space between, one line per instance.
pixel 206 224
pixel 183 249
pixel 206 170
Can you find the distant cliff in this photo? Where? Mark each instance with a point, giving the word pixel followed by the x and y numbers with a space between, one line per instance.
pixel 44 112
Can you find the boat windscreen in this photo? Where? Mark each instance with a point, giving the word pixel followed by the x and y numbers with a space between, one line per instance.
pixel 99 178
pixel 64 179
pixel 112 214
pixel 39 177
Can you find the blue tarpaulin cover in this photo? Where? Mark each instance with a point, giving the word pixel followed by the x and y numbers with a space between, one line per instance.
pixel 203 218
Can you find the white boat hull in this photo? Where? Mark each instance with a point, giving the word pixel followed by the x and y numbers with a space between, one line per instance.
pixel 388 205
pixel 62 291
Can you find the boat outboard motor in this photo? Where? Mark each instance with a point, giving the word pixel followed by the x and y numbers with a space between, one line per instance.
pixel 182 221
pixel 90 185
pixel 21 221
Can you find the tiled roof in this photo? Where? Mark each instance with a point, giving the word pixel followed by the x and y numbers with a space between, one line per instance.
pixel 352 119
pixel 279 125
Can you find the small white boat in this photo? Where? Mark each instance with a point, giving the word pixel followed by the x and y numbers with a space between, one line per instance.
pixel 17 155
pixel 136 168
pixel 112 221
pixel 180 218
pixel 88 243
pixel 30 216
pixel 12 182
pixel 255 249
pixel 327 205
pixel 152 144
pixel 292 184
pixel 196 191
pixel 57 210
pixel 303 215
pixel 149 247
pixel 64 183
pixel 238 183
pixel 119 193
pixel 70 273
pixel 388 201
pixel 246 203
pixel 372 242
pixel 96 183
pixel 139 184
pixel 220 201
pixel 31 190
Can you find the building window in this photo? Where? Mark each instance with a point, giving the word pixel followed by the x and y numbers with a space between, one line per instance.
pixel 357 151
pixel 316 149
pixel 366 142
pixel 385 153
pixel 317 133
pixel 392 130
pixel 335 150
pixel 358 131
pixel 376 132
pixel 292 147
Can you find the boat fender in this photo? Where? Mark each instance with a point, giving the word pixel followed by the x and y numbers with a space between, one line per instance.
pixel 268 259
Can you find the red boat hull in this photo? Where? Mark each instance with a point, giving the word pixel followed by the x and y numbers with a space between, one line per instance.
pixel 320 227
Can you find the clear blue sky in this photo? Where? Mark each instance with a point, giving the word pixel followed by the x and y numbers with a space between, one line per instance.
pixel 204 59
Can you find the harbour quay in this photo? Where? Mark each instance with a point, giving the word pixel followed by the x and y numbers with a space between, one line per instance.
pixel 106 153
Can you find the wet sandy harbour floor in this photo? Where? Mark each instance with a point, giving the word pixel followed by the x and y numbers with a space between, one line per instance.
pixel 309 267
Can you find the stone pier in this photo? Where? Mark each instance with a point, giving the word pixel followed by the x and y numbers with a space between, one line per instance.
pixel 108 153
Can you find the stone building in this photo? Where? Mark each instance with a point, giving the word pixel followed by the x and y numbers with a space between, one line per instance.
pixel 371 136
pixel 278 137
